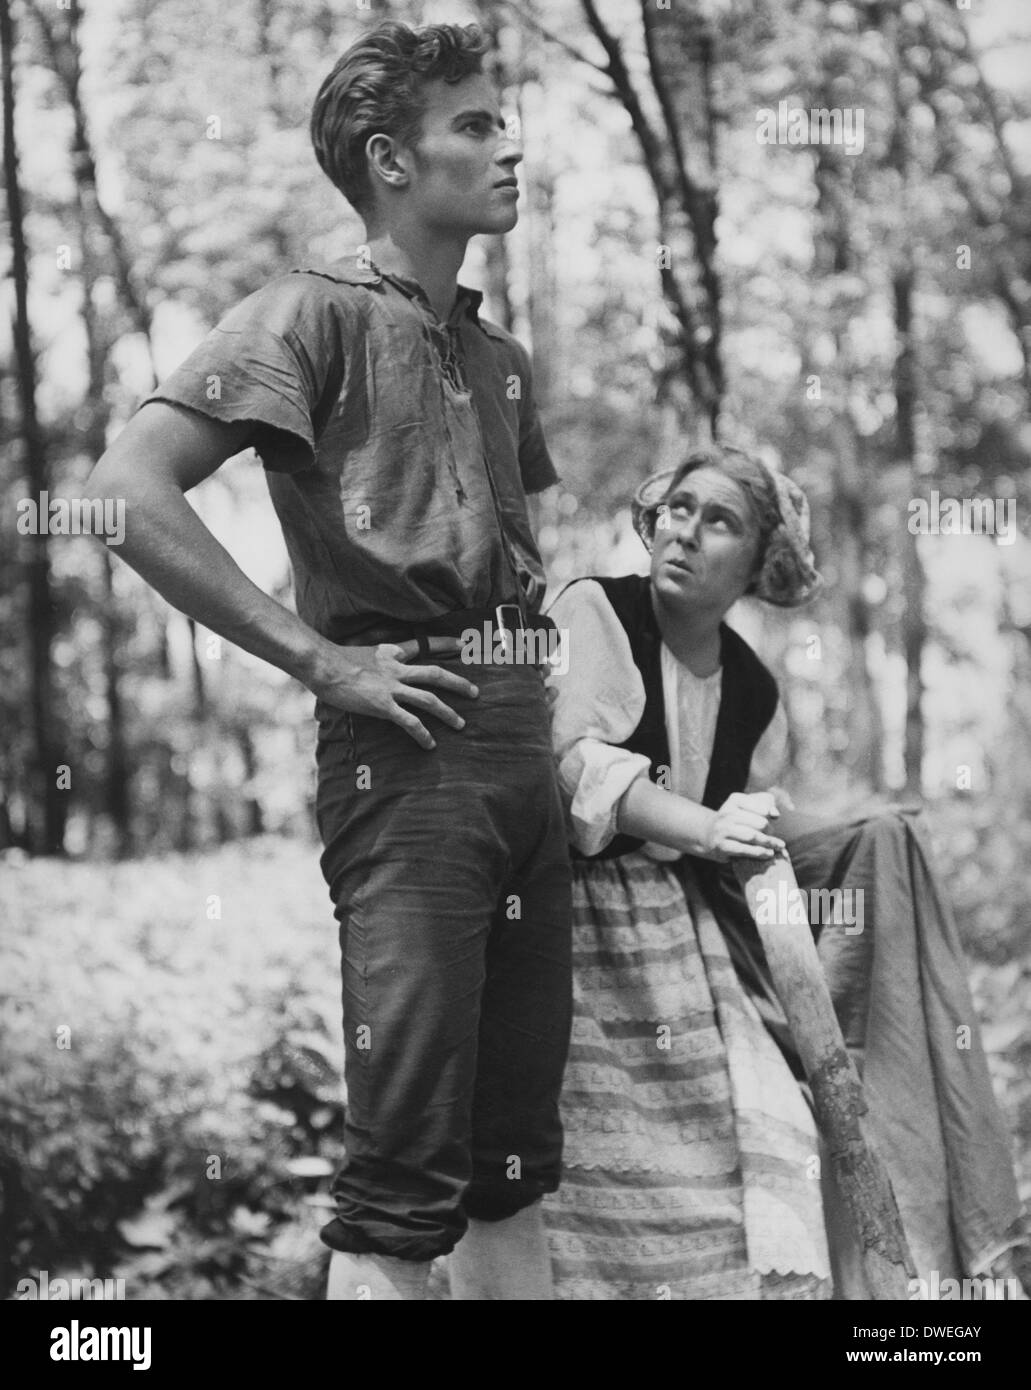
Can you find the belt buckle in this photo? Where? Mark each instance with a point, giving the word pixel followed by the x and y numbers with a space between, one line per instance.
pixel 507 630
pixel 499 617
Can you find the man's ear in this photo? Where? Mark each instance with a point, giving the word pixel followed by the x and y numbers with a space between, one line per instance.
pixel 388 161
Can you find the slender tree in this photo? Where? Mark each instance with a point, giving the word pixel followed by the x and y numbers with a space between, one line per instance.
pixel 685 199
pixel 96 224
pixel 49 800
pixel 949 72
pixel 851 470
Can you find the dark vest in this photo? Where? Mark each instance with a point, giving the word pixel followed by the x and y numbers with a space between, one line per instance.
pixel 747 702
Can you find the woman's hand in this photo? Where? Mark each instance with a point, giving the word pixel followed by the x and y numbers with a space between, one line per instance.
pixel 738 829
pixel 782 798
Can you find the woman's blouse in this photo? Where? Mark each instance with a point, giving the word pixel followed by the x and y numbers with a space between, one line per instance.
pixel 598 703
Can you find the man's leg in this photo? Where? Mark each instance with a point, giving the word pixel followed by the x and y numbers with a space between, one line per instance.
pixel 524 1040
pixel 503 1259
pixel 415 874
pixel 359 1277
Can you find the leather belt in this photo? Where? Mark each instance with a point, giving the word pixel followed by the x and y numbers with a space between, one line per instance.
pixel 505 618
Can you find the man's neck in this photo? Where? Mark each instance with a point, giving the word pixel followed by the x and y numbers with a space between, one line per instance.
pixel 433 265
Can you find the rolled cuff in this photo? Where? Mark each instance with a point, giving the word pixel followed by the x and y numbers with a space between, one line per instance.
pixel 354 1240
pixel 594 777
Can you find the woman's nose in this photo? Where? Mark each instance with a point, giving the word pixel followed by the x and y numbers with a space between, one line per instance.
pixel 688 532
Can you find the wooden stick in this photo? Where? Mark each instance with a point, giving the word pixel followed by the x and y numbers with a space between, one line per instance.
pixel 837 1090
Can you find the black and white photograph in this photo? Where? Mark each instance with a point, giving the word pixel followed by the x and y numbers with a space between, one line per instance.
pixel 515 665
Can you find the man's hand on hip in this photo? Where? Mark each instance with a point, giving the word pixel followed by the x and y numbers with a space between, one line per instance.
pixel 380 681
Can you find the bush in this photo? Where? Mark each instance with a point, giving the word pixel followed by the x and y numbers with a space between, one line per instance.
pixel 172 1089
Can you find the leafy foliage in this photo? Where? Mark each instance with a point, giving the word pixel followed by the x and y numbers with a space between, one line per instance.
pixel 171 1135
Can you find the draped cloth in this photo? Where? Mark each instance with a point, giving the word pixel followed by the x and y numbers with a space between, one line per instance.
pixel 901 994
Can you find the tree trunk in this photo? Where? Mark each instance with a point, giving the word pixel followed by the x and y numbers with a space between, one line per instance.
pixel 65 56
pixel 50 802
pixel 686 200
pixel 998 197
pixel 118 799
pixel 849 508
pixel 680 48
pixel 200 693
pixel 542 290
pixel 834 255
pixel 254 822
pixel 269 50
pixel 914 627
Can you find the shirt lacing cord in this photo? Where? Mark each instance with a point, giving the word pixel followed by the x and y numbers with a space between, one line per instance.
pixel 444 340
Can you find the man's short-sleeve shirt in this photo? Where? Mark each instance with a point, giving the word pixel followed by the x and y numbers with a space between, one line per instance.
pixel 398 449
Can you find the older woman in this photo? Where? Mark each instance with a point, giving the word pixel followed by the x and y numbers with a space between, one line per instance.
pixel 692 1162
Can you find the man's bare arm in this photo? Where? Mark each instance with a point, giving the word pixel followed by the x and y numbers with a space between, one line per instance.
pixel 164 451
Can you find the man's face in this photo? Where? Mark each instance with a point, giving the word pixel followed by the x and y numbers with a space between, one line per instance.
pixel 463 170
pixel 706 542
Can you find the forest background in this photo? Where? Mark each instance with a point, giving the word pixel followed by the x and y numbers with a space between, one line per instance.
pixel 861 316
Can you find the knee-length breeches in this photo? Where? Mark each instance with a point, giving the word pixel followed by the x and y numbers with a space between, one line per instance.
pixel 450 876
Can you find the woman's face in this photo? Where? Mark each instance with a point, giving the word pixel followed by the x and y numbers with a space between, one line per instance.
pixel 706 545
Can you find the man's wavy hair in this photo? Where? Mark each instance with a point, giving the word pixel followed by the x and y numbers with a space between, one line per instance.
pixel 376 88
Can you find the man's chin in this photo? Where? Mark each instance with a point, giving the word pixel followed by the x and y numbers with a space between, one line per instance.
pixel 493 226
pixel 498 219
pixel 498 226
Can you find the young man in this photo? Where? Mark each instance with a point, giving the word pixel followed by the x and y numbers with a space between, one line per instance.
pixel 399 436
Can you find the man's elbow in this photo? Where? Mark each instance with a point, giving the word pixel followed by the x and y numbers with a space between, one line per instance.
pixel 103 506
pixel 106 480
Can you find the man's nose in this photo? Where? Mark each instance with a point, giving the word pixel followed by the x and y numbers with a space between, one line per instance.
pixel 511 151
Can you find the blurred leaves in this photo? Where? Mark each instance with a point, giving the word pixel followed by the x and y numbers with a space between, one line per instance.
pixel 199 1101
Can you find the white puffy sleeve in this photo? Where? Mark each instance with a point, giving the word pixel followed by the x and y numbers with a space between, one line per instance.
pixel 770 754
pixel 597 699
